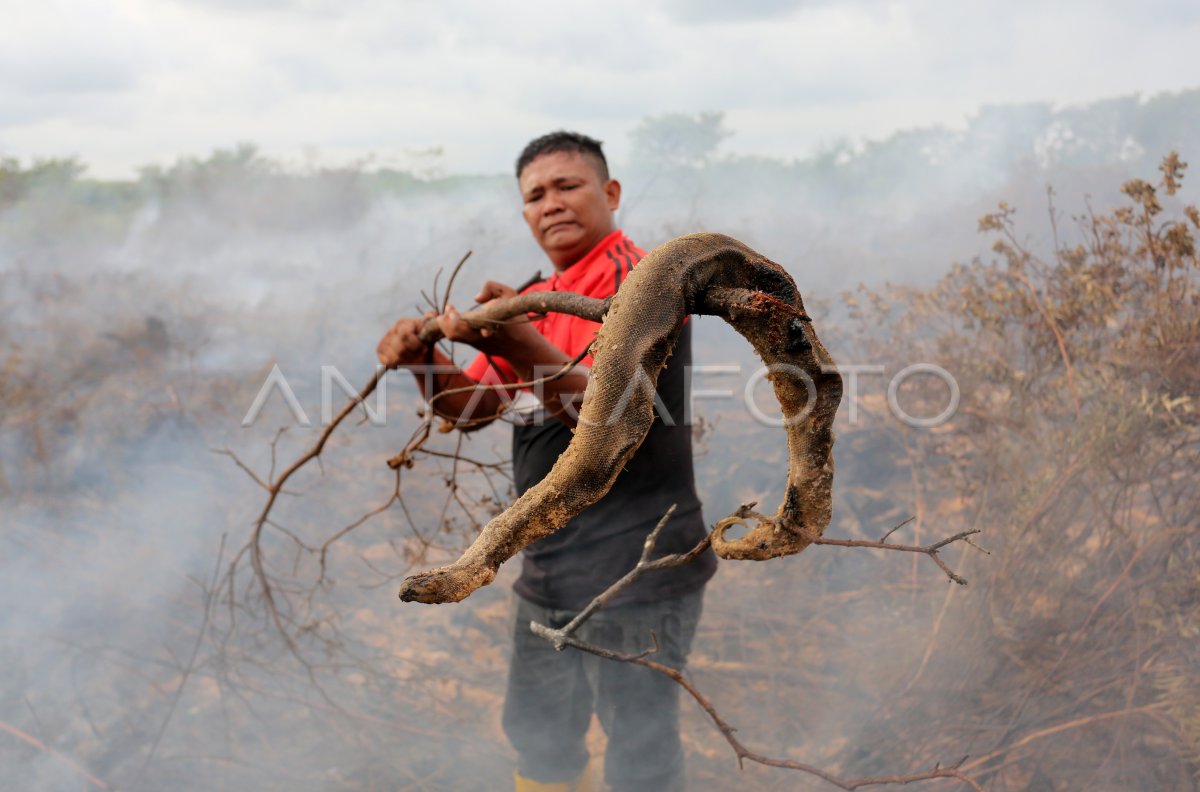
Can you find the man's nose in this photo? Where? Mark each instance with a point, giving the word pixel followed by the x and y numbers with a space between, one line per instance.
pixel 552 204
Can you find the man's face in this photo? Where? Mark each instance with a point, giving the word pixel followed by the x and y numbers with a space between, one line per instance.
pixel 568 206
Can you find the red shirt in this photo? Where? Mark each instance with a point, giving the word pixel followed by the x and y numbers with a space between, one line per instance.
pixel 598 274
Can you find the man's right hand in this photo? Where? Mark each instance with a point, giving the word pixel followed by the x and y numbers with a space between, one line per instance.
pixel 402 345
pixel 509 339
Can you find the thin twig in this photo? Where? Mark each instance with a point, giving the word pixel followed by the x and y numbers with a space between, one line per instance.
pixel 746 511
pixel 727 731
pixel 450 283
pixel 897 527
pixel 929 550
pixel 191 664
pixel 564 636
pixel 25 737
pixel 1061 727
pixel 643 566
pixel 1058 336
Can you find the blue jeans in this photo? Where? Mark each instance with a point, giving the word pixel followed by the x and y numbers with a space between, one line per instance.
pixel 551 695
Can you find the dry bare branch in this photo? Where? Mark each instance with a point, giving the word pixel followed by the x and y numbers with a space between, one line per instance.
pixel 564 637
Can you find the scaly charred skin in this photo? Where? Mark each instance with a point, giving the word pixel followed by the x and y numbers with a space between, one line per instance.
pixel 704 274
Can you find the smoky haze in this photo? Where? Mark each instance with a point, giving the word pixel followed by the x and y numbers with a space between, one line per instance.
pixel 141 319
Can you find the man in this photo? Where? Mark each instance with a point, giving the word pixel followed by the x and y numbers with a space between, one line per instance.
pixel 569 200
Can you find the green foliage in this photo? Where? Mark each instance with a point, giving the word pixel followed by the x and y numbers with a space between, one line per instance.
pixel 17 183
pixel 679 140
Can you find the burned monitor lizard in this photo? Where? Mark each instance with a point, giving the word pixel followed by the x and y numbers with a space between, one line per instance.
pixel 696 274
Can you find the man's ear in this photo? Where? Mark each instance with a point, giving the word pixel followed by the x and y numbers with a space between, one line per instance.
pixel 612 191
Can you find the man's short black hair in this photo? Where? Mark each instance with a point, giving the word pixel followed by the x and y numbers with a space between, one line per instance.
pixel 563 140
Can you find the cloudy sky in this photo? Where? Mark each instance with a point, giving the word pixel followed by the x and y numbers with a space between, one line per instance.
pixel 125 83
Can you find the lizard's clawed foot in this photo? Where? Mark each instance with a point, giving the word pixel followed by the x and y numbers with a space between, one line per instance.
pixel 445 584
pixel 767 539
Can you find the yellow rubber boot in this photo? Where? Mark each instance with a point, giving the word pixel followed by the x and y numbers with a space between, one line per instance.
pixel 581 784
